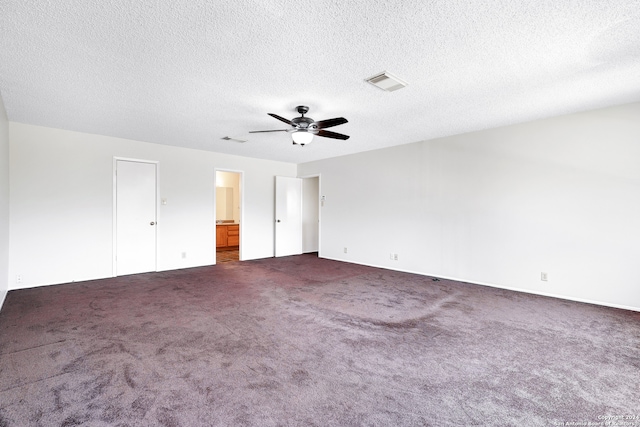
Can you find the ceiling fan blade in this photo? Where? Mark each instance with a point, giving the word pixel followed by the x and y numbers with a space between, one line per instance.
pixel 323 124
pixel 329 134
pixel 282 119
pixel 260 131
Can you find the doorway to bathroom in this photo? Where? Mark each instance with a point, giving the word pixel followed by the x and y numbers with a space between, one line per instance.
pixel 228 216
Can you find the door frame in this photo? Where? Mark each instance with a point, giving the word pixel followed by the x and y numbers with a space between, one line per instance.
pixel 114 222
pixel 241 197
pixel 320 205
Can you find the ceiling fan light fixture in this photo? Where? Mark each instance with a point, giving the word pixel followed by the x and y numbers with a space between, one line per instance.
pixel 302 137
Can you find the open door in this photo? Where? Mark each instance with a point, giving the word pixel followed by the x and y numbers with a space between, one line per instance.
pixel 311 214
pixel 288 234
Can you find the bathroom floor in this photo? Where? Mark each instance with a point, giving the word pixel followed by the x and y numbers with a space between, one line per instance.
pixel 227 255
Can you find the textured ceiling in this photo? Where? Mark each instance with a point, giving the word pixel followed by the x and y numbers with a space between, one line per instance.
pixel 189 72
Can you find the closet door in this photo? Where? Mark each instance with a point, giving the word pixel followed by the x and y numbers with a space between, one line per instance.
pixel 136 217
pixel 288 216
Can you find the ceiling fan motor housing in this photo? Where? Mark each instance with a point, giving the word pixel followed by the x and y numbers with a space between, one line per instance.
pixel 302 123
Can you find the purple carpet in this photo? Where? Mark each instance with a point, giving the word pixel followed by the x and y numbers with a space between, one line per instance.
pixel 303 341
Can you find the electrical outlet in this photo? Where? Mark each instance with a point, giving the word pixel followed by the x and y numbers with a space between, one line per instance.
pixel 395 257
pixel 345 250
pixel 184 255
pixel 544 277
pixel 19 278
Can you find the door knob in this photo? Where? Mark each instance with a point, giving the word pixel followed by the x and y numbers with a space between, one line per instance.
pixel 152 223
pixel 277 220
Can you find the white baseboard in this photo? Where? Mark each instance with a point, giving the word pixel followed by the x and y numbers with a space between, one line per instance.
pixel 493 285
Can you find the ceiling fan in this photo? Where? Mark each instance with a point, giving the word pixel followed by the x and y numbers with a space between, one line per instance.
pixel 303 128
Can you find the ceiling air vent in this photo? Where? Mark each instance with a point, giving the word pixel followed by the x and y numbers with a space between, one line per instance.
pixel 228 138
pixel 386 81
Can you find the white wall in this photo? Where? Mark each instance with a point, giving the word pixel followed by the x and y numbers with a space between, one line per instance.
pixel 499 206
pixel 4 203
pixel 62 195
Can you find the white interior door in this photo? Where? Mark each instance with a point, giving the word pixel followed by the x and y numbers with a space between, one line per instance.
pixel 310 214
pixel 288 216
pixel 136 191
